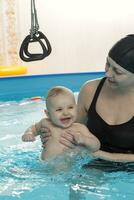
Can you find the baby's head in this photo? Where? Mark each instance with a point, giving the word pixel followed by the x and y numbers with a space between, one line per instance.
pixel 61 106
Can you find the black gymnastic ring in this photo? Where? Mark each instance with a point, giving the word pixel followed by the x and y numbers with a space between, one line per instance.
pixel 47 47
pixel 25 55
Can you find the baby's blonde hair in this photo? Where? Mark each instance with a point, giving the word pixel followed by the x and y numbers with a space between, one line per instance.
pixel 56 91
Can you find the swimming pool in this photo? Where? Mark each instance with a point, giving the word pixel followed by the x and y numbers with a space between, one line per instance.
pixel 23 176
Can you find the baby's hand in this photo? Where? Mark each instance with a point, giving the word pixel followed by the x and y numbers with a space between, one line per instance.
pixel 28 137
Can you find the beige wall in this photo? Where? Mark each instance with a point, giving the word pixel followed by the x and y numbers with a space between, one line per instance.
pixel 80 31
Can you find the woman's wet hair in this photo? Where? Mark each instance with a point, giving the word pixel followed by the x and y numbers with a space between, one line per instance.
pixel 123 53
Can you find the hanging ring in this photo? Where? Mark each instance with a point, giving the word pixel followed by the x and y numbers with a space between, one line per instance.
pixel 46 47
pixel 35 36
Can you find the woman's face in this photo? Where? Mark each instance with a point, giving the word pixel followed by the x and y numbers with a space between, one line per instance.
pixel 117 76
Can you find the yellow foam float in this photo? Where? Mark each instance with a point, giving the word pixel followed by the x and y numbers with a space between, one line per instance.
pixel 12 70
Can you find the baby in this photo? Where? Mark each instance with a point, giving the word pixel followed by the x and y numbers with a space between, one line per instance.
pixel 61 111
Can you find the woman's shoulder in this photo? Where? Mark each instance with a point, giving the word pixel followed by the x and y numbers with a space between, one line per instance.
pixel 90 86
pixel 87 92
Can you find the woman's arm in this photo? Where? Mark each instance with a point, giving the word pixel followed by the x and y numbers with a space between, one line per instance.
pixel 79 135
pixel 84 99
pixel 115 157
pixel 82 137
pixel 82 112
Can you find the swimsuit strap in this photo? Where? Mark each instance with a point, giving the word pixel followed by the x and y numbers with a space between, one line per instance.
pixel 97 92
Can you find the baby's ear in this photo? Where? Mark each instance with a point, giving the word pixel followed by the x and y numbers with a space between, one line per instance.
pixel 46 112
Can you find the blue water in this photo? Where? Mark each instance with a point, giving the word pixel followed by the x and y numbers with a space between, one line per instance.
pixel 23 176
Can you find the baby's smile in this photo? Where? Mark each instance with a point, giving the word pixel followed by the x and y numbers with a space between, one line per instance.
pixel 65 120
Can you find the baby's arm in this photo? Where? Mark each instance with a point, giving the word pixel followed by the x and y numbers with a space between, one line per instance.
pixel 116 157
pixel 83 137
pixel 35 130
pixel 32 132
pixel 29 135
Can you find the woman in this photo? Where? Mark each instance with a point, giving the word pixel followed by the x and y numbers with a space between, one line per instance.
pixel 106 105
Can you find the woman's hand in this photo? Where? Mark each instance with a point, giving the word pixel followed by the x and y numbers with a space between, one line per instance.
pixel 67 139
pixel 45 136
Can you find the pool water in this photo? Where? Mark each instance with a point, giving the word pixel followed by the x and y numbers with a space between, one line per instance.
pixel 23 176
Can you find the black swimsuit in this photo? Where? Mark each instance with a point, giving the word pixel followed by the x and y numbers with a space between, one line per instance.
pixel 113 138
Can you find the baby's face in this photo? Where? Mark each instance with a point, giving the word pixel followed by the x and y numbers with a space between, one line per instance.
pixel 62 110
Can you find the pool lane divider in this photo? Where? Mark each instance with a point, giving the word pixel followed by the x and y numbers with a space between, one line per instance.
pixel 36 98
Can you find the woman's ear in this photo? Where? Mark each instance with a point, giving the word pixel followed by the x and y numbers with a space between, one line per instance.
pixel 46 112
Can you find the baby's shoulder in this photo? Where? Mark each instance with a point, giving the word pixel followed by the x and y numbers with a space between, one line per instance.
pixel 45 122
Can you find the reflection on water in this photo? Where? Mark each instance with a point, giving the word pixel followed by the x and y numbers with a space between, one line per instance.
pixel 23 176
